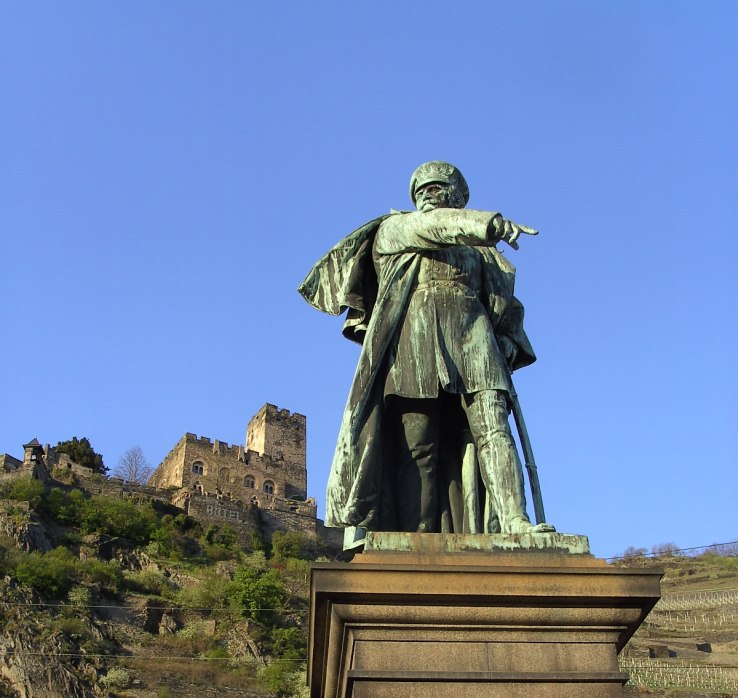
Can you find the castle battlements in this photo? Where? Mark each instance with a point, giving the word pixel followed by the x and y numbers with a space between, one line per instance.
pixel 235 451
pixel 283 414
pixel 269 471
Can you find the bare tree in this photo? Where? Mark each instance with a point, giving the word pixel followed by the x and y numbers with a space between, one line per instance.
pixel 133 466
pixel 665 549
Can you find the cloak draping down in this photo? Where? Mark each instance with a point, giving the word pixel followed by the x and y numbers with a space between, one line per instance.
pixel 345 279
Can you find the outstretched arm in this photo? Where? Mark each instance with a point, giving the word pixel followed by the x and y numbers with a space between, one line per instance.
pixel 442 227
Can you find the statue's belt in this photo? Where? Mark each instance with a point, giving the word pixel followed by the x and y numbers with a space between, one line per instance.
pixel 444 283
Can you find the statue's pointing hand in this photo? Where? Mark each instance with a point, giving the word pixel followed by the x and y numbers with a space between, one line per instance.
pixel 510 232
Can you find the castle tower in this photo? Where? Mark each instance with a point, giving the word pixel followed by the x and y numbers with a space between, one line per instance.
pixel 280 436
pixel 33 452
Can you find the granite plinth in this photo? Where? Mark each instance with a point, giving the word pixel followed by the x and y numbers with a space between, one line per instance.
pixel 421 623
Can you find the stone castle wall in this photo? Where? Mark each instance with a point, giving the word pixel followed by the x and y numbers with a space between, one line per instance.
pixel 244 519
pixel 115 487
pixel 169 473
pixel 199 464
pixel 9 464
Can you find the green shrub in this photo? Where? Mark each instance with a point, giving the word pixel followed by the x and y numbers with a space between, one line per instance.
pixel 71 539
pixel 105 573
pixel 221 535
pixel 149 582
pixel 119 517
pixel 289 643
pixel 115 517
pixel 70 626
pixel 256 561
pixel 116 679
pixel 257 595
pixel 171 537
pixel 66 507
pixel 193 630
pixel 79 597
pixel 212 592
pixel 51 574
pixel 220 543
pixel 24 489
pixel 283 677
pixel 289 544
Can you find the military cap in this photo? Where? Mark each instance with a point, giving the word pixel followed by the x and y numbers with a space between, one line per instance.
pixel 439 171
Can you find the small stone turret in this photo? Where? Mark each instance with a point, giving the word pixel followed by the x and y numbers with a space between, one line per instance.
pixel 33 452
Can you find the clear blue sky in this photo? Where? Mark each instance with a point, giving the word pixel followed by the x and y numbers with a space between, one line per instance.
pixel 171 170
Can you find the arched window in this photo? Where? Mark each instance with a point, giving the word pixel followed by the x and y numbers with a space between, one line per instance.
pixel 249 482
pixel 268 487
pixel 198 468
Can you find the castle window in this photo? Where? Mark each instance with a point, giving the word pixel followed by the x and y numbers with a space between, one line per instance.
pixel 249 482
pixel 268 487
pixel 198 468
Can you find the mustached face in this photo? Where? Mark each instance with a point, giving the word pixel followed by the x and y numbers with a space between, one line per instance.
pixel 437 195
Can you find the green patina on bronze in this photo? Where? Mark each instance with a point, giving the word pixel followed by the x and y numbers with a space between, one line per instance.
pixel 425 444
pixel 442 543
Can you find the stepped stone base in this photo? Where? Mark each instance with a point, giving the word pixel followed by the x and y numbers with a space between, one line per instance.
pixel 425 624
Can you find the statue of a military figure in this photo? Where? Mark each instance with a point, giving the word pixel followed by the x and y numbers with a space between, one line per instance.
pixel 425 443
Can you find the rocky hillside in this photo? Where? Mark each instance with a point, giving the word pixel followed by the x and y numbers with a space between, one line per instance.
pixel 105 597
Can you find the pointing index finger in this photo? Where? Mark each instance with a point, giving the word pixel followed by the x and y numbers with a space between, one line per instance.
pixel 527 230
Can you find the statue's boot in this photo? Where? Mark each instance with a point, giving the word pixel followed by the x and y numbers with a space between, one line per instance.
pixel 499 463
pixel 523 525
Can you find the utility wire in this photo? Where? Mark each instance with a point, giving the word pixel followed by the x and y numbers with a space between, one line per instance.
pixel 121 607
pixel 79 655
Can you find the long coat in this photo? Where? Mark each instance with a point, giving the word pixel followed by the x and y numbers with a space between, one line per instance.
pixel 345 279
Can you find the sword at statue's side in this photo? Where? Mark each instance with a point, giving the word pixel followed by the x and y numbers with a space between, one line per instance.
pixel 530 463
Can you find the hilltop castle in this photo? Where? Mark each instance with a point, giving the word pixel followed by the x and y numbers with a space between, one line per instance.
pixel 265 480
pixel 258 488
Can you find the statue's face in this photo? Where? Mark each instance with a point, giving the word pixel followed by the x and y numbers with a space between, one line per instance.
pixel 436 195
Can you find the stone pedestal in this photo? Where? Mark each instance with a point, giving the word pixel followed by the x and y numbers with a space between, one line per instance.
pixel 473 623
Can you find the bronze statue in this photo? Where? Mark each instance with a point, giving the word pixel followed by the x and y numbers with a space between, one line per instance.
pixel 430 298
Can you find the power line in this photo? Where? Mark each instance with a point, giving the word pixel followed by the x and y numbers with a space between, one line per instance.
pixel 79 655
pixel 148 608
